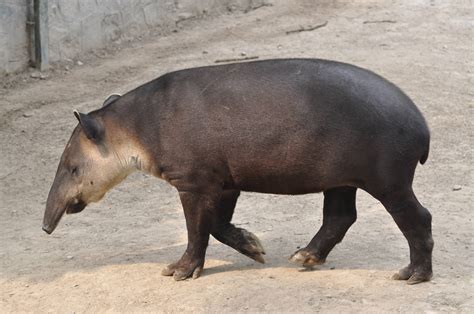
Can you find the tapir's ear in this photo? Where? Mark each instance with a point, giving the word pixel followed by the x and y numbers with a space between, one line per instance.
pixel 110 99
pixel 92 128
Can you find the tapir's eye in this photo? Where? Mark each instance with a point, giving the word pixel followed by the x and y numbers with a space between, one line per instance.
pixel 74 170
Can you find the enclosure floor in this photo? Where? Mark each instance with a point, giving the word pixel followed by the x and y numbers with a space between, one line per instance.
pixel 109 257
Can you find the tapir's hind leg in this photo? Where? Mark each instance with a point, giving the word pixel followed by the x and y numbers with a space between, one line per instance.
pixel 415 222
pixel 239 239
pixel 339 213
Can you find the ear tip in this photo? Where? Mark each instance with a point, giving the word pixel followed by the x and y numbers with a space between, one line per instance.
pixel 77 114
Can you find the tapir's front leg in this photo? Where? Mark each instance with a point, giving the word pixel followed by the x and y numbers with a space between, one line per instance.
pixel 199 211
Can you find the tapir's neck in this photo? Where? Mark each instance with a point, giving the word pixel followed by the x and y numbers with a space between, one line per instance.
pixel 126 146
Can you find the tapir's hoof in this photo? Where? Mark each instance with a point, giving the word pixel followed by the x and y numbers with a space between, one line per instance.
pixel 306 259
pixel 252 248
pixel 181 270
pixel 412 276
pixel 243 241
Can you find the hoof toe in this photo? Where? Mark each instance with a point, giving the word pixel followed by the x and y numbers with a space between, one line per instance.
pixel 183 270
pixel 197 272
pixel 258 258
pixel 253 247
pixel 306 259
pixel 168 271
pixel 416 278
pixel 412 276
pixel 403 274
pixel 180 275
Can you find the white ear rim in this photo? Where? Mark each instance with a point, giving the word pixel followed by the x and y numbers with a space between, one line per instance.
pixel 111 98
pixel 77 114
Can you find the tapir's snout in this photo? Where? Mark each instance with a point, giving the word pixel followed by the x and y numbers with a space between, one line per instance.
pixel 46 228
pixel 51 219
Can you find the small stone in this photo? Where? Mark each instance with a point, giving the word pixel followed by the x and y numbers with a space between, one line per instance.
pixel 76 285
pixel 79 62
pixel 332 267
pixel 27 285
pixel 271 277
pixel 27 114
pixel 243 54
pixel 69 257
pixel 205 52
pixel 457 187
pixel 38 75
pixel 185 16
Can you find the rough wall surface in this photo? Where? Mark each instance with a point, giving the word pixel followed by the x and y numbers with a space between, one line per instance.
pixel 14 42
pixel 77 26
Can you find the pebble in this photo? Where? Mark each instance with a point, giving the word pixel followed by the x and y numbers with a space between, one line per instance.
pixel 37 75
pixel 69 257
pixel 79 62
pixel 457 187
pixel 185 16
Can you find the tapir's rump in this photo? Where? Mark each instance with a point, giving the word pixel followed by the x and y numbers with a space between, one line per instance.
pixel 288 126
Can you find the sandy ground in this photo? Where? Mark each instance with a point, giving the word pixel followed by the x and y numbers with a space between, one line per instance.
pixel 109 257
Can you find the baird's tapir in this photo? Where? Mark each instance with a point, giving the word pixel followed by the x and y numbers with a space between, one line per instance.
pixel 285 126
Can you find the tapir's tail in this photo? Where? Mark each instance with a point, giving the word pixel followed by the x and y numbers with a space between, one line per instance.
pixel 424 157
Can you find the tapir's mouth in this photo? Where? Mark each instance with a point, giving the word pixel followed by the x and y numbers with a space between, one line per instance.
pixel 76 208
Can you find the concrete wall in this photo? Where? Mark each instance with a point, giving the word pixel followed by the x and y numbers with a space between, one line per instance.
pixel 14 40
pixel 77 26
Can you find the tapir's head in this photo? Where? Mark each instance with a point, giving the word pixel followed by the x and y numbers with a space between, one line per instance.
pixel 89 167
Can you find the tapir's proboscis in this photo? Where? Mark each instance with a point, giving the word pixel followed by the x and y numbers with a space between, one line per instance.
pixel 285 126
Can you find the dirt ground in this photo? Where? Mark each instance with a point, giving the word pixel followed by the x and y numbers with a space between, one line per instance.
pixel 109 257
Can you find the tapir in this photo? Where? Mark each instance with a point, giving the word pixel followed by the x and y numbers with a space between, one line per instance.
pixel 282 126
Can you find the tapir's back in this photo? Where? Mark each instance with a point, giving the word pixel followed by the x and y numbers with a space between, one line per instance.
pixel 275 121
